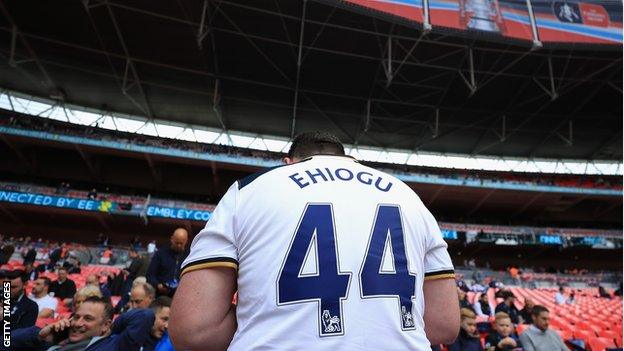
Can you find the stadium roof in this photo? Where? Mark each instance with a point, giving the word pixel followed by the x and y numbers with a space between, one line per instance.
pixel 258 67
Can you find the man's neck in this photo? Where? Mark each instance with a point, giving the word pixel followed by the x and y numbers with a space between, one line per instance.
pixel 41 295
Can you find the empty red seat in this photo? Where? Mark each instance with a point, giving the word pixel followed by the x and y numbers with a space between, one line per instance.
pixel 601 344
pixel 607 334
pixel 585 335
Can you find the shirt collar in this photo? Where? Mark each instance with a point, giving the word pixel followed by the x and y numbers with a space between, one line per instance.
pixel 93 341
pixel 324 156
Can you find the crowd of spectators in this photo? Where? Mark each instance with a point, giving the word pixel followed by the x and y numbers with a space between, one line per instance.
pixel 493 325
pixel 128 308
pixel 122 309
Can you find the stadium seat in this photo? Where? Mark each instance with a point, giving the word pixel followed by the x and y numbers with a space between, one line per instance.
pixel 564 334
pixel 521 328
pixel 607 334
pixel 585 335
pixel 601 344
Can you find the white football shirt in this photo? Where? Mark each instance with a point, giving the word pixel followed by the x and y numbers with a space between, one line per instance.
pixel 331 255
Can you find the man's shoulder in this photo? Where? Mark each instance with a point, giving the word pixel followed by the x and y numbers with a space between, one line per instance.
pixel 241 183
pixel 28 303
pixel 49 298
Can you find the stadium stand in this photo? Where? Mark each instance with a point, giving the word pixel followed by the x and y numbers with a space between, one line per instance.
pixel 39 124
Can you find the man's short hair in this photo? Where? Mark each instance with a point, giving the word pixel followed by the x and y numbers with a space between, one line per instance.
pixel 62 269
pixel 505 294
pixel 159 303
pixel 537 309
pixel 149 290
pixel 46 281
pixel 139 280
pixel 108 308
pixel 14 274
pixel 313 143
pixel 467 313
pixel 501 315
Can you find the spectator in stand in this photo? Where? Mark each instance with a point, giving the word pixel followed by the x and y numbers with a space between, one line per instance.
pixel 73 265
pixel 151 248
pixel 463 299
pixel 538 337
pixel 46 303
pixel 468 338
pixel 461 284
pixel 63 288
pixel 502 338
pixel 124 303
pixel 23 311
pixel 164 269
pixel 136 242
pixel 138 265
pixel 107 255
pixel 527 311
pixel 92 195
pixel 560 298
pixel 29 254
pixel 94 280
pixel 30 273
pixel 5 253
pixel 89 328
pixel 514 273
pixel 508 306
pixel 75 268
pixel 60 253
pixel 570 300
pixel 83 294
pixel 482 306
pixel 158 338
pixel 602 292
pixel 142 295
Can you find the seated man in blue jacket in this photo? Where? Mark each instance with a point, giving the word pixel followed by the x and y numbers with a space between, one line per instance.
pixel 89 329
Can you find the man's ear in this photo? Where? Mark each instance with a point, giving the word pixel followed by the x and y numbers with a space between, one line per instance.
pixel 287 160
pixel 107 327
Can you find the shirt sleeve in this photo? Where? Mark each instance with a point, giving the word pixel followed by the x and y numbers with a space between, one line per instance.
pixel 438 264
pixel 215 245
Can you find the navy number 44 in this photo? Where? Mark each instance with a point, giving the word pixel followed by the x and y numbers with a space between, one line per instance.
pixel 318 279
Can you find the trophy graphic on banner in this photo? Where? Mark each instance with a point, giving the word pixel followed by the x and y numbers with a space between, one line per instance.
pixel 484 15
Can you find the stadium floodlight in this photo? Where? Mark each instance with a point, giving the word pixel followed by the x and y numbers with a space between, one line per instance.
pixel 47 108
